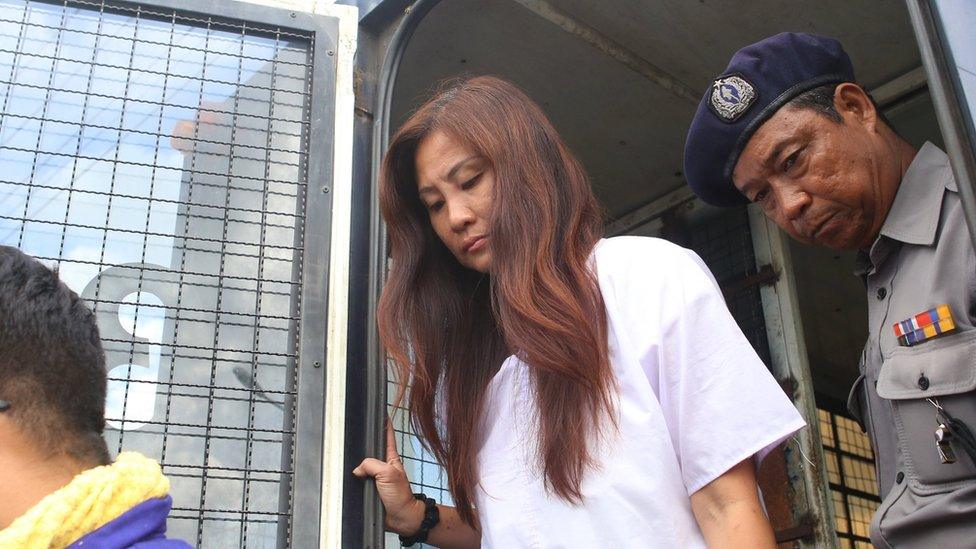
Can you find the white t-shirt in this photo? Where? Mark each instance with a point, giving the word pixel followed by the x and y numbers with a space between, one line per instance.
pixel 694 400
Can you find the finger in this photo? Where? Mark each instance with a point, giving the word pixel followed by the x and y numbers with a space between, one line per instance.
pixel 370 467
pixel 391 447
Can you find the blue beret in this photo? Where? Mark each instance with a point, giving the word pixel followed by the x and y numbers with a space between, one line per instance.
pixel 759 80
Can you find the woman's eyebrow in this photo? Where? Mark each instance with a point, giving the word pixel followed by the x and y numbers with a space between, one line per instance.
pixel 453 171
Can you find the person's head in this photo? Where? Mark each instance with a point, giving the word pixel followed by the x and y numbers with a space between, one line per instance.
pixel 52 366
pixel 481 159
pixel 786 127
pixel 491 223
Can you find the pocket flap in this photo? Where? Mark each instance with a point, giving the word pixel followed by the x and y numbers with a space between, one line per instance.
pixel 947 364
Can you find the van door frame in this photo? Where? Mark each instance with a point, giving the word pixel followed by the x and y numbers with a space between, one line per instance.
pixel 385 31
pixel 951 109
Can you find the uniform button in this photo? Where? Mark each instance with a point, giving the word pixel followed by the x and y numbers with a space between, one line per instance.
pixel 900 477
pixel 923 383
pixel 882 293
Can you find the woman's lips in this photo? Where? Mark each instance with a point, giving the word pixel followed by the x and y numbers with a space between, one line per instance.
pixel 476 244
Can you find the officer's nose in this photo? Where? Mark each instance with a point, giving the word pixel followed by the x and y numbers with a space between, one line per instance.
pixel 794 203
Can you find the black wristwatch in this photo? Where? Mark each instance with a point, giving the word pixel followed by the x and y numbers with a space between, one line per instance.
pixel 432 516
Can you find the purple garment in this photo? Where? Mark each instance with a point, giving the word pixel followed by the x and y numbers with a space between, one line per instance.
pixel 142 527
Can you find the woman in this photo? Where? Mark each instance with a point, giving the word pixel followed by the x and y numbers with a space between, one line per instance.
pixel 579 392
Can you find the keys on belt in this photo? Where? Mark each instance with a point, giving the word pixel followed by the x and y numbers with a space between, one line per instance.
pixel 951 433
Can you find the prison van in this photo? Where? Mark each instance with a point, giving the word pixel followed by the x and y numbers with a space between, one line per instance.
pixel 204 175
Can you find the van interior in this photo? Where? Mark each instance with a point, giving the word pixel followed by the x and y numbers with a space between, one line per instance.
pixel 621 80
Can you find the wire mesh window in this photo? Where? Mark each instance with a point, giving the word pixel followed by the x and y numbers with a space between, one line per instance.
pixel 425 473
pixel 158 161
pixel 724 242
pixel 851 474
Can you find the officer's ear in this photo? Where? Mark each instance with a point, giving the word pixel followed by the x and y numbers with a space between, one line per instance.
pixel 854 104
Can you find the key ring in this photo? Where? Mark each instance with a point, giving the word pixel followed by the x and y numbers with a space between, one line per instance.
pixel 941 415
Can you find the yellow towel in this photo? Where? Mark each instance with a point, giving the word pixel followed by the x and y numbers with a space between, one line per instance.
pixel 92 499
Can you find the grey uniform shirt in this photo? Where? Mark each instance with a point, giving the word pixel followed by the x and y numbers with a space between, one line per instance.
pixel 922 258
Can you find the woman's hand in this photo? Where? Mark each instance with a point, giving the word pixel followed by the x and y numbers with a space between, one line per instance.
pixel 729 512
pixel 404 513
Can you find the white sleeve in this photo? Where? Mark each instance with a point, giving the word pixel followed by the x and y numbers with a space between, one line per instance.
pixel 721 404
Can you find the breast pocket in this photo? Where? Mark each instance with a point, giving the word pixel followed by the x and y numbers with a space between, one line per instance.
pixel 943 369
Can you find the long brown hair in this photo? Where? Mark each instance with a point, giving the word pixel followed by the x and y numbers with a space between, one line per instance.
pixel 448 329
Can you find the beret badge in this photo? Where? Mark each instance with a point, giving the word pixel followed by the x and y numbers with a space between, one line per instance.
pixel 731 97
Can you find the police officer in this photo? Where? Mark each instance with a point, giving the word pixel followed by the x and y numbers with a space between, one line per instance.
pixel 786 127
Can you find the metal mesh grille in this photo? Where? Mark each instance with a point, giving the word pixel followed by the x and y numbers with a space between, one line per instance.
pixel 158 161
pixel 425 473
pixel 724 242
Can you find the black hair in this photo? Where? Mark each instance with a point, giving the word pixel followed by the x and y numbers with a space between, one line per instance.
pixel 52 365
pixel 821 100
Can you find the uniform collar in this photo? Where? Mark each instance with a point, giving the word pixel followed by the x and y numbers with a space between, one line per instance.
pixel 915 212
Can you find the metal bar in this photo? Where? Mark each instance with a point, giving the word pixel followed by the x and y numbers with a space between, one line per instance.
pixel 893 91
pixel 188 204
pixel 765 276
pixel 789 360
pixel 264 19
pixel 223 359
pixel 376 396
pixel 145 238
pixel 847 490
pixel 168 271
pixel 130 68
pixel 252 379
pixel 850 455
pixel 794 533
pixel 158 134
pixel 307 502
pixel 613 49
pixel 200 108
pixel 108 210
pixel 196 310
pixel 360 240
pixel 117 162
pixel 270 472
pixel 342 48
pixel 840 471
pixel 179 297
pixel 200 348
pixel 225 477
pixel 140 40
pixel 199 425
pixel 216 387
pixel 236 512
pixel 147 233
pixel 649 211
pixel 950 107
pixel 168 201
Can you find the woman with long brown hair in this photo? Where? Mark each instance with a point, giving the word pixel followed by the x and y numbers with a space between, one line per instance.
pixel 578 391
